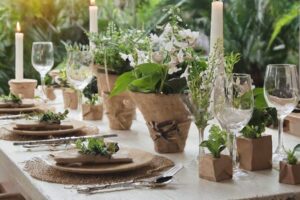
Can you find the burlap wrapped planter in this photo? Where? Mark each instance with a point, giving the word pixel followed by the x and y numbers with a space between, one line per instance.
pixel 23 88
pixel 92 112
pixel 167 120
pixel 120 109
pixel 70 98
pixel 289 174
pixel 215 169
pixel 255 154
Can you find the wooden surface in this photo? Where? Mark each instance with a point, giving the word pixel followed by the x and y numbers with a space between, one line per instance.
pixel 292 124
pixel 187 185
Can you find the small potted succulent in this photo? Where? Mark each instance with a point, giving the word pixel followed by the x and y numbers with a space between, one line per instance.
pixel 289 172
pixel 92 109
pixel 255 149
pixel 49 88
pixel 215 166
pixel 115 53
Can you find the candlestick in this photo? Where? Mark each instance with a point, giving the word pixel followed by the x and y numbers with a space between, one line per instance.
pixel 93 17
pixel 216 31
pixel 19 53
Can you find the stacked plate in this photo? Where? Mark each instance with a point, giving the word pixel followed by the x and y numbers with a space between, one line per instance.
pixel 27 105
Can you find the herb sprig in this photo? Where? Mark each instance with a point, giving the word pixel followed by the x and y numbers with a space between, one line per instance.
pixel 97 146
pixel 216 142
pixel 49 117
pixel 11 98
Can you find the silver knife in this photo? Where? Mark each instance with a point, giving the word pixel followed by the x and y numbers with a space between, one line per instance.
pixel 10 117
pixel 62 140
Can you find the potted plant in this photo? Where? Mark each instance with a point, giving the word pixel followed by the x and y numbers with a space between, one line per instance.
pixel 156 86
pixel 92 109
pixel 289 172
pixel 215 166
pixel 116 53
pixel 70 96
pixel 49 88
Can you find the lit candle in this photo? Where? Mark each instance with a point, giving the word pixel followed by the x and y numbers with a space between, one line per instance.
pixel 93 17
pixel 19 53
pixel 216 31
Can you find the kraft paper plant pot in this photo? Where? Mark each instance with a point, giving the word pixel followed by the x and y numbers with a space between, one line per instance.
pixel 167 119
pixel 70 98
pixel 120 111
pixel 255 154
pixel 92 112
pixel 289 174
pixel 23 88
pixel 49 92
pixel 215 169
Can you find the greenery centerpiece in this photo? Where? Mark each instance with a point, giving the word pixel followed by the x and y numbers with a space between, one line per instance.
pixel 116 52
pixel 156 85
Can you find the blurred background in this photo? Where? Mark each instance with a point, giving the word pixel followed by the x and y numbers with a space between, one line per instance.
pixel 263 31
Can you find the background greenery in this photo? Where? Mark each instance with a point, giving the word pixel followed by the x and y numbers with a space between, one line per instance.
pixel 263 31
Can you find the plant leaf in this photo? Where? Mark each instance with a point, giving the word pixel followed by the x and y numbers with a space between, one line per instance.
pixel 122 83
pixel 296 148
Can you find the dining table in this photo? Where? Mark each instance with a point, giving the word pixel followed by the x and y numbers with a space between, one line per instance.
pixel 186 184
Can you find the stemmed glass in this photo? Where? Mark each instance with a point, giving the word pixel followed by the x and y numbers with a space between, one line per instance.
pixel 281 90
pixel 233 107
pixel 42 60
pixel 79 72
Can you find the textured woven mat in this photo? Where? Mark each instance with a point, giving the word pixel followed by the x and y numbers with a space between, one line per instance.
pixel 6 135
pixel 40 170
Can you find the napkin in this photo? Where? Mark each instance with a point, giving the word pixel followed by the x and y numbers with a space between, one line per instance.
pixel 72 157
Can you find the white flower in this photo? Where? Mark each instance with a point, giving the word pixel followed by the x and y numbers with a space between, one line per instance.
pixel 167 29
pixel 173 69
pixel 129 58
pixel 180 56
pixel 191 36
pixel 155 39
pixel 182 45
pixel 157 57
pixel 123 56
pixel 168 46
pixel 142 57
pixel 186 73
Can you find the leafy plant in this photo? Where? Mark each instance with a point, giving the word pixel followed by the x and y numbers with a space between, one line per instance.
pixel 11 98
pixel 216 142
pixel 93 99
pixel 262 116
pixel 96 146
pixel 52 117
pixel 291 158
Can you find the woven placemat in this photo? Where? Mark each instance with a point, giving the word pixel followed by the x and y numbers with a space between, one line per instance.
pixel 40 170
pixel 6 135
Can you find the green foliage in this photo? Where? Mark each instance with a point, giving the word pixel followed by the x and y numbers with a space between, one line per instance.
pixel 148 78
pixel 97 146
pixel 230 61
pixel 262 116
pixel 11 98
pixel 93 99
pixel 52 117
pixel 291 158
pixel 216 142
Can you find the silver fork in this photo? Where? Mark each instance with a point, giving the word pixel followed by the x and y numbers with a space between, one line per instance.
pixel 159 180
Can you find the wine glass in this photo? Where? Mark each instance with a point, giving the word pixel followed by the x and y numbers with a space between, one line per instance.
pixel 79 72
pixel 42 60
pixel 233 107
pixel 281 90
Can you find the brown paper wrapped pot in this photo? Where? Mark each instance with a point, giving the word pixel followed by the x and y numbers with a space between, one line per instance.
pixel 167 120
pixel 289 174
pixel 23 88
pixel 120 111
pixel 92 112
pixel 255 154
pixel 215 169
pixel 70 98
pixel 106 83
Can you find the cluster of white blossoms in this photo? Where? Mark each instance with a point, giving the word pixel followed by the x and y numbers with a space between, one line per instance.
pixel 170 48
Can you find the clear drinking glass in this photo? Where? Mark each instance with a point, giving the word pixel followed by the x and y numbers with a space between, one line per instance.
pixel 281 91
pixel 79 72
pixel 233 107
pixel 42 59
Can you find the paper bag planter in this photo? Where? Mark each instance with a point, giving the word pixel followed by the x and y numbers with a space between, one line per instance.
pixel 70 98
pixel 92 112
pixel 215 169
pixel 255 154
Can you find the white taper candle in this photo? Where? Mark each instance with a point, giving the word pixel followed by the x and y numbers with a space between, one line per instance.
pixel 19 68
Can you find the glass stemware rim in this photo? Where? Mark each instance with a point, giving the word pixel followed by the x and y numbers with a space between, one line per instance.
pixel 43 43
pixel 281 65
